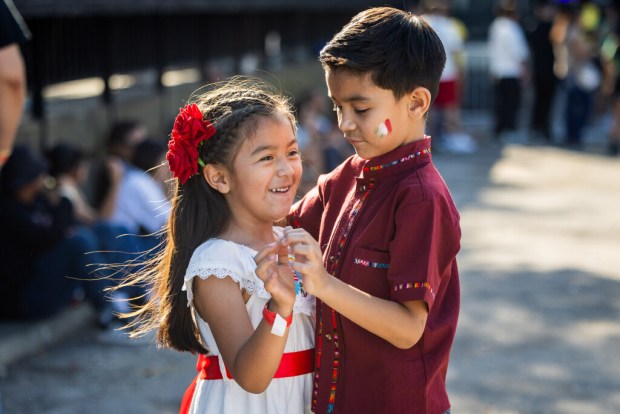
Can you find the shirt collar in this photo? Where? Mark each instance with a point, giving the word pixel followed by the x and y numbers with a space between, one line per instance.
pixel 400 159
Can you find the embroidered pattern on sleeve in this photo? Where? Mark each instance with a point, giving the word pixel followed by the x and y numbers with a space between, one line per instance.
pixel 414 285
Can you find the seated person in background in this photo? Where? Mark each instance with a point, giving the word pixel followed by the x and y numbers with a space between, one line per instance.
pixel 150 156
pixel 45 265
pixel 69 168
pixel 120 144
pixel 142 205
pixel 130 199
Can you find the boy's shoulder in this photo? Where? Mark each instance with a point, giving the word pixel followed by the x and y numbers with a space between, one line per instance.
pixel 423 183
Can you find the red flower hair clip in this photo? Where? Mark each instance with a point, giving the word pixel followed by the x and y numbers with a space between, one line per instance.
pixel 190 129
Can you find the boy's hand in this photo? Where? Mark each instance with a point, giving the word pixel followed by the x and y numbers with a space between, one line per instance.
pixel 273 268
pixel 308 259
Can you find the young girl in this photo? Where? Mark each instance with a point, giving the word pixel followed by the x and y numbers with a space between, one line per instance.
pixel 220 290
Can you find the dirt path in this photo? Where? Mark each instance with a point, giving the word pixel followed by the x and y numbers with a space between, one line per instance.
pixel 539 330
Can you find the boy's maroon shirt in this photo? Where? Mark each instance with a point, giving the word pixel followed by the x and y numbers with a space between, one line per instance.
pixel 389 227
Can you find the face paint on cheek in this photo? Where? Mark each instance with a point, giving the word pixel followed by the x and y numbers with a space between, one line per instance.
pixel 384 129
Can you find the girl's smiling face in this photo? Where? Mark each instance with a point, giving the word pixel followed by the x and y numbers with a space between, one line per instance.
pixel 371 118
pixel 265 174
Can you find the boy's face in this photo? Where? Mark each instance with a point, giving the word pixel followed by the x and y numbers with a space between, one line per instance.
pixel 371 119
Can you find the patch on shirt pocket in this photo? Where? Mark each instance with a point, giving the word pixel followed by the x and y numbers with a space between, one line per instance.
pixel 371 258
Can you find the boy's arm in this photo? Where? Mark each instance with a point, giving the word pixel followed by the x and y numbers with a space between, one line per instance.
pixel 406 320
pixel 401 324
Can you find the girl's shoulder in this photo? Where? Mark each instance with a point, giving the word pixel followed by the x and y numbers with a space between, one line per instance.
pixel 220 253
pixel 224 258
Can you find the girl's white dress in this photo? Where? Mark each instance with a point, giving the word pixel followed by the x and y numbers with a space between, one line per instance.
pixel 223 258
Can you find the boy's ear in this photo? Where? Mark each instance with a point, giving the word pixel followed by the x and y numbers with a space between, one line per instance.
pixel 217 178
pixel 419 102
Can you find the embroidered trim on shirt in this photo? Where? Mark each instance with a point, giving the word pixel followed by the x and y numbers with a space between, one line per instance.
pixel 366 263
pixel 414 285
pixel 319 345
pixel 393 163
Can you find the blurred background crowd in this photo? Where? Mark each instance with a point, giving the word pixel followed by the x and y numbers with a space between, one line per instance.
pixel 103 81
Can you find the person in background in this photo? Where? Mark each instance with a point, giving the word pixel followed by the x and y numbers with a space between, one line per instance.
pixel 150 156
pixel 48 260
pixel 113 182
pixel 583 77
pixel 142 205
pixel 508 66
pixel 543 75
pixel 445 115
pixel 13 32
pixel 610 58
pixel 69 168
pixel 106 176
pixel 312 125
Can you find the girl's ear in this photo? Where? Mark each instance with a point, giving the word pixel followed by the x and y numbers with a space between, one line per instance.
pixel 419 102
pixel 217 178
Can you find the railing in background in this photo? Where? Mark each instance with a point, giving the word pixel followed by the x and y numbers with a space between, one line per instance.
pixel 77 47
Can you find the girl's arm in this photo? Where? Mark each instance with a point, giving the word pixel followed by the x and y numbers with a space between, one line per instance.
pixel 401 324
pixel 251 356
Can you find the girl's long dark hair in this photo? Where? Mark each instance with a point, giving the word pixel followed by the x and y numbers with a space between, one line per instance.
pixel 198 212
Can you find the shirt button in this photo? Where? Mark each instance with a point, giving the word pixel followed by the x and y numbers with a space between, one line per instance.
pixel 332 259
pixel 328 337
pixel 362 188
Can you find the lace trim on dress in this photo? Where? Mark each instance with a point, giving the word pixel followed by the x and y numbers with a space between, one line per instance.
pixel 250 286
pixel 303 304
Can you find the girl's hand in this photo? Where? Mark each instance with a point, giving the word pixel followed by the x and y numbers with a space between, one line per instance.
pixel 308 260
pixel 274 269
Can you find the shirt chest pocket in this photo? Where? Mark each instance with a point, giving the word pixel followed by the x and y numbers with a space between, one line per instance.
pixel 369 271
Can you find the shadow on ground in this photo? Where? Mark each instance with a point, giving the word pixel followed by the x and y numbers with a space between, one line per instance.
pixel 531 342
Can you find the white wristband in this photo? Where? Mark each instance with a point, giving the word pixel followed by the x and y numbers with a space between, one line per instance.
pixel 279 326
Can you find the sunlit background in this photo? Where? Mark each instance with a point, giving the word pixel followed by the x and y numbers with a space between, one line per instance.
pixel 540 317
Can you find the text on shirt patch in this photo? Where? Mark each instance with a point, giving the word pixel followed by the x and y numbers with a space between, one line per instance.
pixel 366 263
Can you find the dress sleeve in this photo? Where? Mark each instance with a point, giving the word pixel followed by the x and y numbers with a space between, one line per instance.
pixel 219 258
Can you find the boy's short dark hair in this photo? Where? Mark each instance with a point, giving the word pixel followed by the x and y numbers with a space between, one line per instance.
pixel 398 49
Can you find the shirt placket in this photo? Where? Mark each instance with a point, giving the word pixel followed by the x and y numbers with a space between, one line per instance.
pixel 331 332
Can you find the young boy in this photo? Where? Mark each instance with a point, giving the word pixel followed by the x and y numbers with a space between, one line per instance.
pixel 386 225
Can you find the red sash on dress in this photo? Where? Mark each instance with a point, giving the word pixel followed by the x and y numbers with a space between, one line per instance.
pixel 292 364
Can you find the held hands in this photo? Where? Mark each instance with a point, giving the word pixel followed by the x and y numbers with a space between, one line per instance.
pixel 273 268
pixel 308 260
pixel 276 270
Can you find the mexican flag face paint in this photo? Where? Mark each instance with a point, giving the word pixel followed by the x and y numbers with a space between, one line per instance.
pixel 384 129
